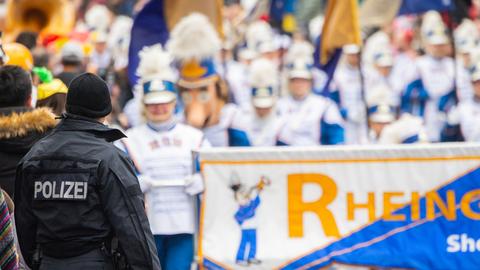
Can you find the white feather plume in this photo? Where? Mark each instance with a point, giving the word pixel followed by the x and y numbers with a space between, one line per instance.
pixel 300 50
pixel 262 73
pixel 258 32
pixel 431 20
pixel 155 63
pixel 194 37
pixel 98 18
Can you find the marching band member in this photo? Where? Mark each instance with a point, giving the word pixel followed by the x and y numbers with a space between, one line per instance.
pixel 432 94
pixel 467 113
pixel 347 93
pixel 162 152
pixel 466 40
pixel 194 44
pixel 380 111
pixel 263 122
pixel 308 119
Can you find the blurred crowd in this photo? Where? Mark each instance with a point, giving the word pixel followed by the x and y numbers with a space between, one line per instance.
pixel 417 79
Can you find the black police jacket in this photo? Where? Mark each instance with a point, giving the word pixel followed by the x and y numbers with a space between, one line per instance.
pixel 74 189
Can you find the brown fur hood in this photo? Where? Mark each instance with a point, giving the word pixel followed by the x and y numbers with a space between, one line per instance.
pixel 20 124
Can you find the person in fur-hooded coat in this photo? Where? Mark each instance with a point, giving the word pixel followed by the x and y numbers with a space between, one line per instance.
pixel 20 125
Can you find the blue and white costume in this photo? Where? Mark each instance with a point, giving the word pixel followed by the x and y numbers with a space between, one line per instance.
pixel 314 120
pixel 263 131
pixel 347 94
pixel 432 94
pixel 162 154
pixel 231 129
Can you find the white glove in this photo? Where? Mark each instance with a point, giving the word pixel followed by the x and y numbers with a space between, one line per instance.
pixel 194 184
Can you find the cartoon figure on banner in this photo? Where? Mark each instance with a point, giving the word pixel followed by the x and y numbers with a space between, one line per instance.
pixel 248 199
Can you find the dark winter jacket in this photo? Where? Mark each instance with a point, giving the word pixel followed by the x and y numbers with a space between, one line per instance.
pixel 20 128
pixel 75 189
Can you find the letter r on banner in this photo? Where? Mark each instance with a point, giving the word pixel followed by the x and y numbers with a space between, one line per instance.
pixel 297 207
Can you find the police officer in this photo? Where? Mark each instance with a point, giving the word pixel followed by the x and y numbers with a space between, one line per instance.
pixel 75 190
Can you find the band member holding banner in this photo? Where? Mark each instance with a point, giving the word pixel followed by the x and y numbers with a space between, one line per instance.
pixel 194 44
pixel 162 152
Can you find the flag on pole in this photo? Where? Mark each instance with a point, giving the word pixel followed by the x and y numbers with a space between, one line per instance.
pixel 341 27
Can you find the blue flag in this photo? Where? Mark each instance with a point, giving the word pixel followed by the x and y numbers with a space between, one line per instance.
pixel 420 6
pixel 329 67
pixel 149 28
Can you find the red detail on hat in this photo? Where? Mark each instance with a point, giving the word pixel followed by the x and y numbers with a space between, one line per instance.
pixel 48 39
pixel 265 17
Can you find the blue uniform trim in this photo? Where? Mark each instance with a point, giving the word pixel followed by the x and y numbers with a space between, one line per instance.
pixel 280 143
pixel 335 96
pixel 237 137
pixel 166 86
pixel 331 134
pixel 262 90
pixel 374 109
pixel 411 139
pixel 451 133
pixel 175 251
pixel 447 101
pixel 414 98
pixel 344 113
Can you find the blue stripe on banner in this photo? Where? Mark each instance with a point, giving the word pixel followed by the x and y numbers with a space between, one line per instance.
pixel 149 28
pixel 420 6
pixel 211 265
pixel 417 244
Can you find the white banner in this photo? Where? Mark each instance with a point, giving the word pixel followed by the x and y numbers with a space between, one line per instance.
pixel 296 208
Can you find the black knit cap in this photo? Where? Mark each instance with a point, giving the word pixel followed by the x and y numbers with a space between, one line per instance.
pixel 88 96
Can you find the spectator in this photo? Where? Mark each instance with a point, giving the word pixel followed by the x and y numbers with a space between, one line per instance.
pixel 72 62
pixel 21 125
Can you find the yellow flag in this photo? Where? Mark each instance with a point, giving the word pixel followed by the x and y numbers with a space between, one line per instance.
pixel 175 10
pixel 341 27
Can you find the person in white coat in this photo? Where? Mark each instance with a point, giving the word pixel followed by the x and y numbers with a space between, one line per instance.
pixel 161 150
